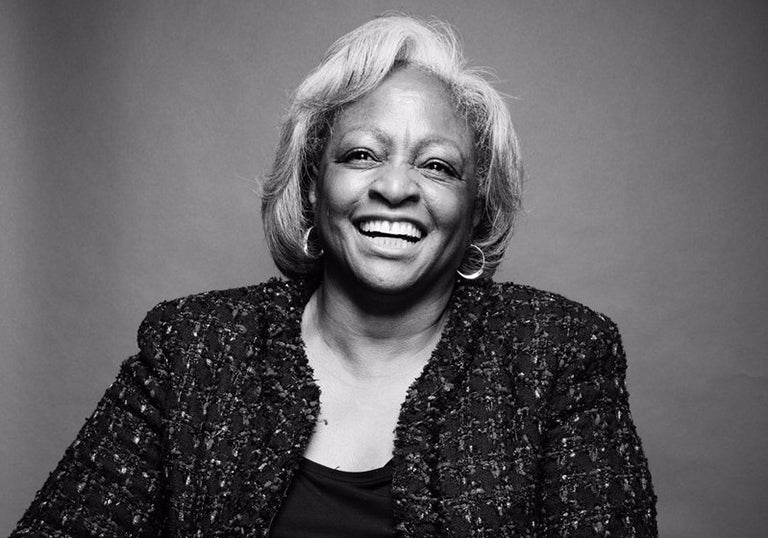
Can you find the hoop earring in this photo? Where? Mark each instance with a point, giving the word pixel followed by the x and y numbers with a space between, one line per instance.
pixel 477 272
pixel 307 248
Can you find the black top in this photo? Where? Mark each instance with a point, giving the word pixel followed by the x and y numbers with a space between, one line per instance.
pixel 323 502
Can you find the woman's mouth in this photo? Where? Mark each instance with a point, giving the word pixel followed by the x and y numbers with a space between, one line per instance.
pixel 387 233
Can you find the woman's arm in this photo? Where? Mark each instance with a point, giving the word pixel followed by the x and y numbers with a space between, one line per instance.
pixel 596 479
pixel 109 481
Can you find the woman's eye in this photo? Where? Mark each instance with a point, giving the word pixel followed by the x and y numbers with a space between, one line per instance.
pixel 358 155
pixel 441 167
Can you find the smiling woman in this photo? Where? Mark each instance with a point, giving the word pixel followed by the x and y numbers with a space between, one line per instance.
pixel 395 194
pixel 389 387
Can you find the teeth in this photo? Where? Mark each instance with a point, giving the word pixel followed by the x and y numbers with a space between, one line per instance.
pixel 387 241
pixel 397 228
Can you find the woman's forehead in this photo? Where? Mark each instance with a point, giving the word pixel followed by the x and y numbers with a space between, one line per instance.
pixel 406 99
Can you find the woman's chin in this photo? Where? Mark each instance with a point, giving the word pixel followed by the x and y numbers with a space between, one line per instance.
pixel 363 266
pixel 388 278
pixel 390 285
pixel 385 282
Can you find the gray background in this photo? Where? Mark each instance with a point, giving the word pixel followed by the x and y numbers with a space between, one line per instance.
pixel 131 135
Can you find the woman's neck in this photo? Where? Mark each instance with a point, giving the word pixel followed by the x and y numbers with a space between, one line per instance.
pixel 368 333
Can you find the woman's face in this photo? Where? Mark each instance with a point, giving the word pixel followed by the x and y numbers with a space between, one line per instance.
pixel 394 202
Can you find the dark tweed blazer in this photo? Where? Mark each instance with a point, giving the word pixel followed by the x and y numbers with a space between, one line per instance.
pixel 518 426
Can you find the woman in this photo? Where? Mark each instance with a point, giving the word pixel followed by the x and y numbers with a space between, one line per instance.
pixel 390 387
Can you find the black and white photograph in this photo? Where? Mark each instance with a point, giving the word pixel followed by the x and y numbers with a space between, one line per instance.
pixel 383 269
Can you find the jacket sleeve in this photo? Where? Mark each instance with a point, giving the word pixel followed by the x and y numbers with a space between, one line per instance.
pixel 108 483
pixel 595 476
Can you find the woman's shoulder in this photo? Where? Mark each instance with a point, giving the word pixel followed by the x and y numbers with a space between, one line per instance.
pixel 240 308
pixel 510 303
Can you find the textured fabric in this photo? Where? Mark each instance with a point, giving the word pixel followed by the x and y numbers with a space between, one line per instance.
pixel 327 503
pixel 519 425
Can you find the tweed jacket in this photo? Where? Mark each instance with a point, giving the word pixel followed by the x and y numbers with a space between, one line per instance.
pixel 518 426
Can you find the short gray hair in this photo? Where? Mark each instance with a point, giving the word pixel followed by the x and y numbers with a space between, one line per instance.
pixel 354 65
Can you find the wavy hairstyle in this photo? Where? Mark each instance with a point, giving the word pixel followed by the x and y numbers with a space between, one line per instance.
pixel 354 65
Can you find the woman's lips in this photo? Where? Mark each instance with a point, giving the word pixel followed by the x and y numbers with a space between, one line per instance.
pixel 389 229
pixel 396 234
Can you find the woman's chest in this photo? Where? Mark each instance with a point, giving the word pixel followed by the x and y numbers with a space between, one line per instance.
pixel 355 430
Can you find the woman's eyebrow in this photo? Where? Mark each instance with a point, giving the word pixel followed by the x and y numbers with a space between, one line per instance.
pixel 377 133
pixel 439 140
pixel 382 137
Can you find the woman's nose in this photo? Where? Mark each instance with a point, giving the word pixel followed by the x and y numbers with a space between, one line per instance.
pixel 395 185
